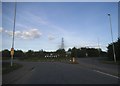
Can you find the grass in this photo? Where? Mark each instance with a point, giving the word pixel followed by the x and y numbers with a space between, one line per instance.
pixel 111 62
pixel 5 58
pixel 0 58
pixel 118 74
pixel 36 59
pixel 6 68
pixel 64 60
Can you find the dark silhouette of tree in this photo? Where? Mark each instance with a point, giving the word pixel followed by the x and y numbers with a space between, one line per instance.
pixel 61 52
pixel 74 52
pixel 6 54
pixel 69 50
pixel 92 52
pixel 78 53
pixel 40 53
pixel 103 54
pixel 117 49
pixel 29 53
pixel 83 52
pixel 18 54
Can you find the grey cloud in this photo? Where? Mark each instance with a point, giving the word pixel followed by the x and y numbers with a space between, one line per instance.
pixel 30 34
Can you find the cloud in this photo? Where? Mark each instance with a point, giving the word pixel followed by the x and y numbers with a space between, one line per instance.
pixel 36 18
pixel 30 34
pixel 1 29
pixel 51 37
pixel 8 32
pixel 44 21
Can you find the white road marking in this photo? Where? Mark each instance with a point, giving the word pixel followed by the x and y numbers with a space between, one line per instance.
pixel 106 74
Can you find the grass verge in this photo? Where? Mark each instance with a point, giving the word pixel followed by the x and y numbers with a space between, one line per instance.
pixel 6 68
pixel 111 62
pixel 36 59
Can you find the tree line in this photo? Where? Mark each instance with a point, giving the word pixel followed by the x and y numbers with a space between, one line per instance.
pixel 117 50
pixel 71 52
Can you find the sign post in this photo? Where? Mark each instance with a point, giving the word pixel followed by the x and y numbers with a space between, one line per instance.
pixel 73 59
pixel 12 53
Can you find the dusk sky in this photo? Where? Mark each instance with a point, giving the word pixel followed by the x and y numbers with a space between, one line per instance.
pixel 42 25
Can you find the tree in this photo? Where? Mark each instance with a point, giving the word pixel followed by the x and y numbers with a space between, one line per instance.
pixel 29 53
pixel 61 52
pixel 83 52
pixel 6 54
pixel 92 52
pixel 74 52
pixel 19 54
pixel 117 49
pixel 79 53
pixel 69 52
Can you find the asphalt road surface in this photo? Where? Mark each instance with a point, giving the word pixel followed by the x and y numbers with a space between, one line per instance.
pixel 86 72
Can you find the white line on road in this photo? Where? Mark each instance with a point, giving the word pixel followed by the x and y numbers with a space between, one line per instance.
pixel 106 74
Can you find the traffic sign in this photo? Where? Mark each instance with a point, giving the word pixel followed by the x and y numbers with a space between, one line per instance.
pixel 12 51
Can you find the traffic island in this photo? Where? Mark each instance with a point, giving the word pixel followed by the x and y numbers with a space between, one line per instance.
pixel 73 61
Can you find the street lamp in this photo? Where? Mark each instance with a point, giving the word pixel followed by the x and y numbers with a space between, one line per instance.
pixel 98 48
pixel 112 38
pixel 12 49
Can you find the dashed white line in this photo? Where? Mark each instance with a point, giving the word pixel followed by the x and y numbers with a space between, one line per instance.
pixel 107 74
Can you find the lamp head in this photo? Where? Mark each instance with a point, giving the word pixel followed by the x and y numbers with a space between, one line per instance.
pixel 108 14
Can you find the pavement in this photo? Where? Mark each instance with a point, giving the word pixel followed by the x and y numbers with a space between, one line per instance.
pixel 88 71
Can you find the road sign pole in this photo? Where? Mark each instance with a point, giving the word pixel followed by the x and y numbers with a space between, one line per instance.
pixel 12 53
pixel 98 48
pixel 11 60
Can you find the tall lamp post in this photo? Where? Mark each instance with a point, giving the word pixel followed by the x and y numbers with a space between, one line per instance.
pixel 112 38
pixel 98 47
pixel 12 49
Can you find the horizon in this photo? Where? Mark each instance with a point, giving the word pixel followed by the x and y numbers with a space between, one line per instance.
pixel 50 50
pixel 42 25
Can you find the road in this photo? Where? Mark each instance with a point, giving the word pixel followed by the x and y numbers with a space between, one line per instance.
pixel 86 72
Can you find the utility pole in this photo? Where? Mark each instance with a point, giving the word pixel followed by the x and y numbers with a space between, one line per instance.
pixel 112 38
pixel 12 49
pixel 98 47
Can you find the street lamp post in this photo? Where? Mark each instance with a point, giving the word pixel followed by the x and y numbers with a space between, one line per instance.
pixel 112 38
pixel 98 47
pixel 12 49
